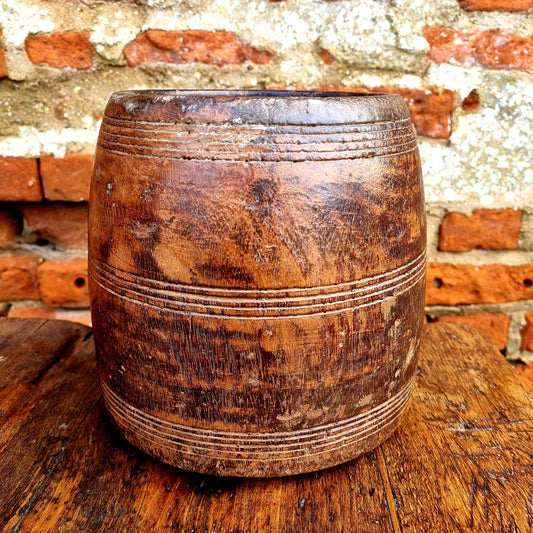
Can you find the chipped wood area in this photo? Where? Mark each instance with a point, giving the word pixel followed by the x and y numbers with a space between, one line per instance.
pixel 461 460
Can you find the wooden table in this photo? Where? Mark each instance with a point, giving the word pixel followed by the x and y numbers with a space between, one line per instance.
pixel 462 460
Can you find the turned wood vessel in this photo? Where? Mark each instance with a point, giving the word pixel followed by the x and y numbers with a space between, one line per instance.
pixel 256 270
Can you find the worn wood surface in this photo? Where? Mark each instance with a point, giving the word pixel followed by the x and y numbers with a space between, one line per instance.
pixel 256 271
pixel 462 460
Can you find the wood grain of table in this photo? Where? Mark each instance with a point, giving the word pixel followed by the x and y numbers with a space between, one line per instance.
pixel 462 459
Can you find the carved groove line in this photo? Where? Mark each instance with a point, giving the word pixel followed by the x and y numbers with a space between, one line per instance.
pixel 298 128
pixel 267 149
pixel 238 142
pixel 170 296
pixel 228 438
pixel 262 317
pixel 174 299
pixel 250 446
pixel 238 155
pixel 237 292
pixel 271 150
pixel 246 457
pixel 256 137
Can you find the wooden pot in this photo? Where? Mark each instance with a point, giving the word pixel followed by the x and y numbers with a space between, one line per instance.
pixel 256 267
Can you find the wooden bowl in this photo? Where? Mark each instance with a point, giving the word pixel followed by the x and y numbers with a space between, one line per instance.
pixel 256 270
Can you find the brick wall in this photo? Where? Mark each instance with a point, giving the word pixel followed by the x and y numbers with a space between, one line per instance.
pixel 464 68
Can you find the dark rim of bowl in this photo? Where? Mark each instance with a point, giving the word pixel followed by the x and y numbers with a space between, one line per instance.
pixel 251 93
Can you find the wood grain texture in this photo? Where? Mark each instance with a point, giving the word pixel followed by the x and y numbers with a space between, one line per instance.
pixel 43 368
pixel 256 275
pixel 472 450
pixel 461 461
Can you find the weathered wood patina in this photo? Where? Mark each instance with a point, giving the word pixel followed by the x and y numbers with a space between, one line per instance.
pixel 256 265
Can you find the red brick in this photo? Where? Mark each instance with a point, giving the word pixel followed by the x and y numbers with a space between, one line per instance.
pixel 9 227
pixel 3 66
pixel 61 50
pixel 471 102
pixel 61 224
pixel 525 373
pixel 67 179
pixel 491 48
pixel 488 229
pixel 430 108
pixel 496 5
pixel 63 283
pixel 327 57
pixel 191 46
pixel 527 333
pixel 19 180
pixel 494 325
pixel 448 284
pixel 18 277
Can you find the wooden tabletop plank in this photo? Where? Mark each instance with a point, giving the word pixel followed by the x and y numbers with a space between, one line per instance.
pixel 52 389
pixel 98 486
pixel 351 498
pixel 15 329
pixel 24 365
pixel 461 461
